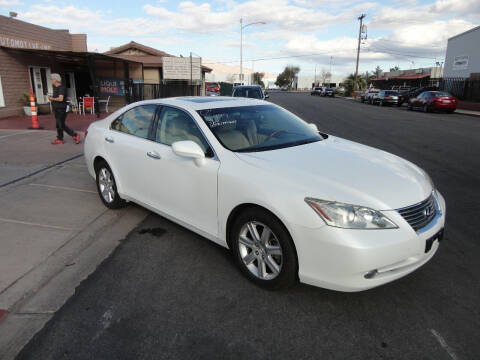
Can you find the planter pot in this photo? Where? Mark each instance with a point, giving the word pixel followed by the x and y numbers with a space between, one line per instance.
pixel 27 110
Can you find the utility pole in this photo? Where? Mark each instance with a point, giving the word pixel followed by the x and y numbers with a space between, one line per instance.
pixel 241 43
pixel 315 78
pixel 361 17
pixel 241 50
pixel 191 73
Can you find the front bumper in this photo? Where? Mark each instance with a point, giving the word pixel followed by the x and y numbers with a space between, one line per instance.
pixel 340 259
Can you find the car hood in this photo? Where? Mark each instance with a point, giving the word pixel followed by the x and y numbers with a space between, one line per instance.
pixel 340 170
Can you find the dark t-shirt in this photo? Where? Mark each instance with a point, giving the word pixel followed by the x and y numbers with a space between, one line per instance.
pixel 57 91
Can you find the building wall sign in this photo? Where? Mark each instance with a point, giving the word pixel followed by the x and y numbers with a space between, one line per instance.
pixel 178 68
pixel 19 43
pixel 112 86
pixel 460 62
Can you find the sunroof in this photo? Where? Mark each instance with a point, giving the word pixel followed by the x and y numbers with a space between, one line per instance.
pixel 201 100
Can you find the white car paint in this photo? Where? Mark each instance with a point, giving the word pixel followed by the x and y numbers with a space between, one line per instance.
pixel 201 197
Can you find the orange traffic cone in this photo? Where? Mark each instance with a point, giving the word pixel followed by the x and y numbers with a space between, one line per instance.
pixel 35 124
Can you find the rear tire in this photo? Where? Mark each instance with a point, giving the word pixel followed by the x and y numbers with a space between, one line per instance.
pixel 268 258
pixel 107 187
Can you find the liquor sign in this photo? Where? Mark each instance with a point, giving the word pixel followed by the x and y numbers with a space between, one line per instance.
pixel 112 86
pixel 178 68
pixel 460 62
pixel 19 43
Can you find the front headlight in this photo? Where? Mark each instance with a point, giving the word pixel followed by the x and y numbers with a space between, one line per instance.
pixel 350 216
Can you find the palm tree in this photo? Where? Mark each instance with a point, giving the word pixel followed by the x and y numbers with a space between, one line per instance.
pixel 362 81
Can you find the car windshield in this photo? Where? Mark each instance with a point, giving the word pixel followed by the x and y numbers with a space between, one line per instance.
pixel 328 89
pixel 257 128
pixel 441 94
pixel 391 93
pixel 254 93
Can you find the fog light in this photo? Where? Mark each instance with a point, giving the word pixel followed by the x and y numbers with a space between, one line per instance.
pixel 371 274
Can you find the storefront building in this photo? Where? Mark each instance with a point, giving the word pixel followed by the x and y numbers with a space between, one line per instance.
pixel 30 53
pixel 154 79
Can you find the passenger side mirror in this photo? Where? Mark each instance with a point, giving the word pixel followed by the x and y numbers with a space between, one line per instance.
pixel 313 127
pixel 267 96
pixel 189 149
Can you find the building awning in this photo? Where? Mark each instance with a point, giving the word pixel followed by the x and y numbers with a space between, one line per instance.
pixel 66 56
pixel 402 77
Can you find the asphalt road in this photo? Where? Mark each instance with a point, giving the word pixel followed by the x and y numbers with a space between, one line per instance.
pixel 167 293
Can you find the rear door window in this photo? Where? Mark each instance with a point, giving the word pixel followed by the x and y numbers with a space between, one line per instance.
pixel 136 121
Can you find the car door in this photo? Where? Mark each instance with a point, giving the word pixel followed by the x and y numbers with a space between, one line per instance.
pixel 417 101
pixel 177 186
pixel 127 145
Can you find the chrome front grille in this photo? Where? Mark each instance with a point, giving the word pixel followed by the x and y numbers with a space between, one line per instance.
pixel 420 214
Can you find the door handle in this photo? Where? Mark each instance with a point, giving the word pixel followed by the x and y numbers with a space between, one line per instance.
pixel 153 155
pixel 109 139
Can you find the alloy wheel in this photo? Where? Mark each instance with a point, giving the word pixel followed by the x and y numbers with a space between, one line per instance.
pixel 260 250
pixel 106 185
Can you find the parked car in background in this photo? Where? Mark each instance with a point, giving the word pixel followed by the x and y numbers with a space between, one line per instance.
pixel 212 89
pixel 370 95
pixel 328 92
pixel 434 101
pixel 340 90
pixel 316 91
pixel 249 91
pixel 287 200
pixel 414 92
pixel 388 97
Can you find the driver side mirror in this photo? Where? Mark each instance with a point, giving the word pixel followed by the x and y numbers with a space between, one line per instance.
pixel 189 149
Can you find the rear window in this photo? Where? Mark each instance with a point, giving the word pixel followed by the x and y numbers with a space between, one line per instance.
pixel 441 94
pixel 328 89
pixel 255 93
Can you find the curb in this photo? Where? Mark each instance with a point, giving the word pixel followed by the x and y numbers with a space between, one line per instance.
pixel 33 299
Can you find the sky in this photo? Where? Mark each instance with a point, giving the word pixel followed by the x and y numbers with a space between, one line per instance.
pixel 311 34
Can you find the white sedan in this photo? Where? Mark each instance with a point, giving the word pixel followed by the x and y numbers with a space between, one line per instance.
pixel 290 202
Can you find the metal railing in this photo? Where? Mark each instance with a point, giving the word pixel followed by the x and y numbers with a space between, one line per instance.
pixel 463 88
pixel 141 91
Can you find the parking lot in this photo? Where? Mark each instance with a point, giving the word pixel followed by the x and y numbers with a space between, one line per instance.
pixel 166 293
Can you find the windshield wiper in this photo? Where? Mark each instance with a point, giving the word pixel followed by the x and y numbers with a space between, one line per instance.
pixel 278 146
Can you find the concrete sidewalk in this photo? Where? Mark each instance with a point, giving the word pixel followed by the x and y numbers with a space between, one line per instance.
pixel 54 231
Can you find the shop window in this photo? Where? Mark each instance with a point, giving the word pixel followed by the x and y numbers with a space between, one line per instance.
pixel 2 100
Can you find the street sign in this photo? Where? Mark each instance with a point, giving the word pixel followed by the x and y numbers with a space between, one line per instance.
pixel 181 68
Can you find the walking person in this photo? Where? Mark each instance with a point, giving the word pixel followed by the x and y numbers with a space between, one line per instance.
pixel 59 106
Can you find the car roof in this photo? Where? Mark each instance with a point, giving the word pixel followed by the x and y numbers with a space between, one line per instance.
pixel 246 86
pixel 205 102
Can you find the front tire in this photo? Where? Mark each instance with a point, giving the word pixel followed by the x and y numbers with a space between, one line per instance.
pixel 107 187
pixel 425 108
pixel 264 250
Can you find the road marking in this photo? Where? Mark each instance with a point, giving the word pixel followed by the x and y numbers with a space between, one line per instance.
pixel 18 133
pixel 35 224
pixel 63 188
pixel 444 344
